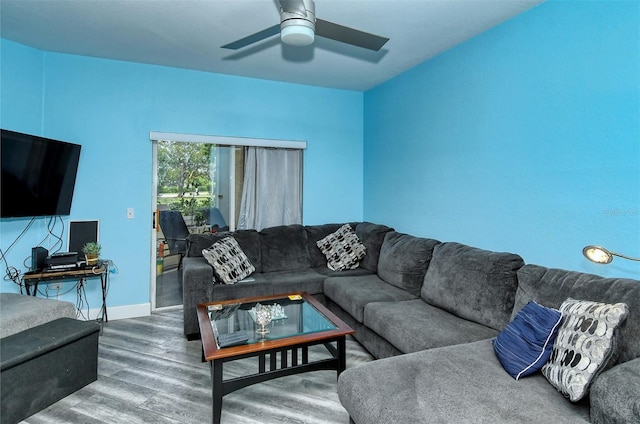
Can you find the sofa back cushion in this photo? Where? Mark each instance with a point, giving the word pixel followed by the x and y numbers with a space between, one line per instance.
pixel 197 242
pixel 372 236
pixel 474 284
pixel 550 287
pixel 284 248
pixel 248 240
pixel 404 260
pixel 315 233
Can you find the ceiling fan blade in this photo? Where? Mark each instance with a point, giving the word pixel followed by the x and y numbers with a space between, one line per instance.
pixel 253 38
pixel 294 6
pixel 349 35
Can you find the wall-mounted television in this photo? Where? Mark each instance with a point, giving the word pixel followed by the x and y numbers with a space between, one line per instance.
pixel 38 175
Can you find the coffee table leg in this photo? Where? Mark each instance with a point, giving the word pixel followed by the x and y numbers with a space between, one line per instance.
pixel 216 382
pixel 342 354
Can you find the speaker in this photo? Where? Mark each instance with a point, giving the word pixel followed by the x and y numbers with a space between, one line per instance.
pixel 81 233
pixel 38 258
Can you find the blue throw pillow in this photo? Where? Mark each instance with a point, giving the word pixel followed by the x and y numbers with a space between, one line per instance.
pixel 525 345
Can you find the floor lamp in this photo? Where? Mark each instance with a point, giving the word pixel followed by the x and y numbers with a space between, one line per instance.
pixel 600 255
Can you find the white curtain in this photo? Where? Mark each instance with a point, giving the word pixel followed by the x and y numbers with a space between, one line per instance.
pixel 272 191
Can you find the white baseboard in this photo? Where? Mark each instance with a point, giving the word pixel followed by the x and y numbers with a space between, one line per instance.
pixel 123 312
pixel 169 308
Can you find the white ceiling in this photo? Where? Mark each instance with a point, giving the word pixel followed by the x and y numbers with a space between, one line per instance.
pixel 188 34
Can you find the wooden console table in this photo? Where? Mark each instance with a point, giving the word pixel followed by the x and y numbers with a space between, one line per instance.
pixel 33 278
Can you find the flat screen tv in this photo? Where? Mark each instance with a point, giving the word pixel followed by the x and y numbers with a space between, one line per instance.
pixel 38 175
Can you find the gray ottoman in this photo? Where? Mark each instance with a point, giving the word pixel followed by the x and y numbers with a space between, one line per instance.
pixel 43 364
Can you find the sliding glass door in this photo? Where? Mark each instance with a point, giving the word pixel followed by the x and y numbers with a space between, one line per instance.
pixel 195 193
pixel 198 186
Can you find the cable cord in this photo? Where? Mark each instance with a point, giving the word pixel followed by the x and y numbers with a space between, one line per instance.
pixel 51 226
pixel 12 273
pixel 82 300
pixel 57 244
pixel 110 264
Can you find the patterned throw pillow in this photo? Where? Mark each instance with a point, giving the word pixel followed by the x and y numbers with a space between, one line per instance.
pixel 229 262
pixel 525 345
pixel 585 343
pixel 342 248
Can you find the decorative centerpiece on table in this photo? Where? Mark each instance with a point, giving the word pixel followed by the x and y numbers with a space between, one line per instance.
pixel 91 252
pixel 262 317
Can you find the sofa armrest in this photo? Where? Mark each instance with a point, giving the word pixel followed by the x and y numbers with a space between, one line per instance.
pixel 615 395
pixel 197 284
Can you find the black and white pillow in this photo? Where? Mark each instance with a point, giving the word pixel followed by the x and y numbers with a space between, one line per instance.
pixel 342 249
pixel 229 262
pixel 584 345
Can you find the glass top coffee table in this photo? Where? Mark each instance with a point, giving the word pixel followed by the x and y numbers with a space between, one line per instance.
pixel 297 321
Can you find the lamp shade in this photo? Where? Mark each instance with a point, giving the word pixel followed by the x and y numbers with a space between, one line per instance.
pixel 600 255
pixel 597 254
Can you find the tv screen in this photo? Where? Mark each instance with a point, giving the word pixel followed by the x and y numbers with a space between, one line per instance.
pixel 38 175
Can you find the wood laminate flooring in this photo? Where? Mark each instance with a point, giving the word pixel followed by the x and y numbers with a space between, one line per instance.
pixel 149 373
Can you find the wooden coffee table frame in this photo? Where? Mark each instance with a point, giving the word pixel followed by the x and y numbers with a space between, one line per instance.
pixel 299 363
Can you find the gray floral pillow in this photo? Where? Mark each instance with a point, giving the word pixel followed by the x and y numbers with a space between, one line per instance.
pixel 342 249
pixel 229 262
pixel 584 345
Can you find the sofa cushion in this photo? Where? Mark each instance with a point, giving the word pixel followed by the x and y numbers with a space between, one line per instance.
pixel 454 384
pixel 284 248
pixel 372 236
pixel 414 325
pixel 315 233
pixel 342 249
pixel 296 281
pixel 346 273
pixel 353 293
pixel 369 339
pixel 229 262
pixel 526 343
pixel 584 345
pixel 551 287
pixel 196 243
pixel 475 284
pixel 404 260
pixel 255 285
pixel 249 242
pixel 614 394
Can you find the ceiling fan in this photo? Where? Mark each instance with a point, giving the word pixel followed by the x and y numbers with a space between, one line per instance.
pixel 299 25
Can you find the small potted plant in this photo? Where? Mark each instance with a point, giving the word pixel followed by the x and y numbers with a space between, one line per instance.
pixel 92 252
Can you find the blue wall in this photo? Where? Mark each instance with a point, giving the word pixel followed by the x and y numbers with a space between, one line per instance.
pixel 525 139
pixel 109 107
pixel 21 73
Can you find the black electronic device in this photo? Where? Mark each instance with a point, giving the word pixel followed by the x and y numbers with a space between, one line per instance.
pixel 81 233
pixel 62 260
pixel 63 267
pixel 38 175
pixel 38 258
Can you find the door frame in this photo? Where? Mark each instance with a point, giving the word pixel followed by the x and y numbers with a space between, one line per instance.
pixel 155 137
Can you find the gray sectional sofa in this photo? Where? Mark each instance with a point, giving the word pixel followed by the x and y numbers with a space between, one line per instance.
pixel 428 310
pixel 286 259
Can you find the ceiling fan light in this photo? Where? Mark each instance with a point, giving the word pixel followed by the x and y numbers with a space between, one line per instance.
pixel 297 35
